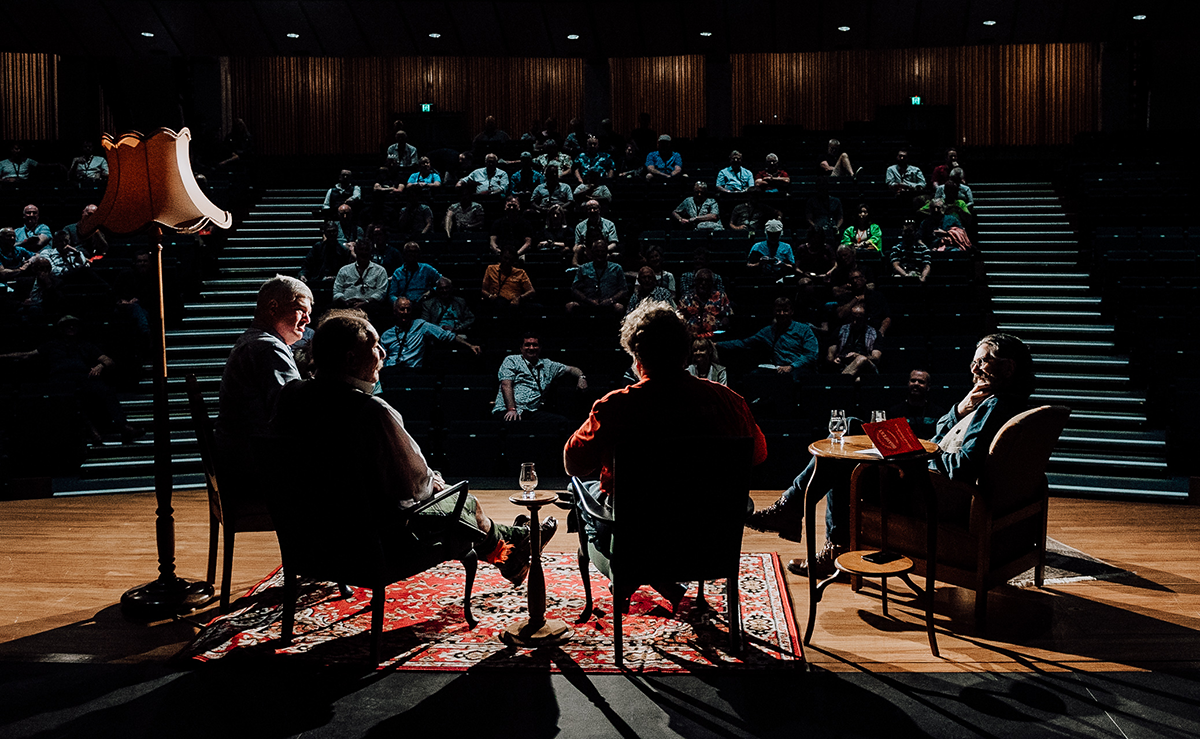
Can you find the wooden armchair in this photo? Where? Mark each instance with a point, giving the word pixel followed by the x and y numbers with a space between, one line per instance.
pixel 988 532
pixel 232 515
pixel 678 515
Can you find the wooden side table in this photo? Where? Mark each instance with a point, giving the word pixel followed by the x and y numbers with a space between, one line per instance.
pixel 861 450
pixel 536 631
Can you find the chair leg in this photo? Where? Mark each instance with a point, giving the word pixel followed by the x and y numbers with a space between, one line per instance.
pixel 700 602
pixel 584 561
pixel 291 589
pixel 470 563
pixel 619 657
pixel 981 594
pixel 733 614
pixel 214 532
pixel 883 587
pixel 378 602
pixel 227 568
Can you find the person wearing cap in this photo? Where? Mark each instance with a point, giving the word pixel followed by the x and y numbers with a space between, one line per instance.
pixel 526 178
pixel 664 163
pixel 772 257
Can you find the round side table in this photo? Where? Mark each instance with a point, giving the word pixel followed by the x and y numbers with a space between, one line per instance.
pixel 536 631
pixel 854 564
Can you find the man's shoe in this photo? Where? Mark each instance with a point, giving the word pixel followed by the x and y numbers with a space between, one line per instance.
pixel 822 565
pixel 779 519
pixel 516 567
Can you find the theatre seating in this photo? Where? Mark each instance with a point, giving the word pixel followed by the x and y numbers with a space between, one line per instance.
pixel 987 533
pixel 679 508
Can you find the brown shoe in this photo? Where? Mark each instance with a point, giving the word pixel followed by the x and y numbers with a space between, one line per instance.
pixel 785 520
pixel 822 565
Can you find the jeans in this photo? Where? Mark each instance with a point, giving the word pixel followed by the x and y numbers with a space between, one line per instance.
pixel 837 498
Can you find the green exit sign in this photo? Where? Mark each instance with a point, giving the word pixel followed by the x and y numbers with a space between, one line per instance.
pixel 426 107
pixel 916 99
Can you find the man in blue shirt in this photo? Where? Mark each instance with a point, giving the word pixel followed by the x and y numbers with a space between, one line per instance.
pixel 34 235
pixel 488 179
pixel 792 344
pixel 405 342
pixel 772 257
pixel 13 259
pixel 592 159
pixel 413 278
pixel 599 285
pixel 735 177
pixel 664 163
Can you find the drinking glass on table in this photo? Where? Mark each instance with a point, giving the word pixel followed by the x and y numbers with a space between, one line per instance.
pixel 878 416
pixel 837 425
pixel 528 479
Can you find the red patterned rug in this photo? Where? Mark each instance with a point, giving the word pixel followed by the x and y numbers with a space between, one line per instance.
pixel 425 629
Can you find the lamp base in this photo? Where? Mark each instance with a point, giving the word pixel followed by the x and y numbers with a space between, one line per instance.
pixel 165 598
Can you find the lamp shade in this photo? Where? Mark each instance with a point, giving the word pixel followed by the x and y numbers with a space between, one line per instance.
pixel 150 180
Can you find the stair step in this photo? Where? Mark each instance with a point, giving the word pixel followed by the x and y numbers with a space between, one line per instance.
pixel 1066 328
pixel 1107 461
pixel 1073 301
pixel 1094 485
pixel 1048 379
pixel 1114 362
pixel 1091 397
pixel 1048 313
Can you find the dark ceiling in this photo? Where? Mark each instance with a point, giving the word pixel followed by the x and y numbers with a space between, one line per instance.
pixel 532 29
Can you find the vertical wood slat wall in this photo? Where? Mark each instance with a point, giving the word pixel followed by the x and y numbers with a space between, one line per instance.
pixel 309 105
pixel 1002 95
pixel 669 88
pixel 29 85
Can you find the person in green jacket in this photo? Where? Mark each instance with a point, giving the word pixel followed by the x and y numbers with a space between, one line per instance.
pixel 865 234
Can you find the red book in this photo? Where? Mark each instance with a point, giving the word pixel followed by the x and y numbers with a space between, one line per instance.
pixel 893 437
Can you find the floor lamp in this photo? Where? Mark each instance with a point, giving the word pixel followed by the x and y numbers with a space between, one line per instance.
pixel 150 184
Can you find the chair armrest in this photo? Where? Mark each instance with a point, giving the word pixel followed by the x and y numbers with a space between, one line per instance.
pixel 459 489
pixel 589 507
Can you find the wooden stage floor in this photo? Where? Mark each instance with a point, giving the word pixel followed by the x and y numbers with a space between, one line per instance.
pixel 64 563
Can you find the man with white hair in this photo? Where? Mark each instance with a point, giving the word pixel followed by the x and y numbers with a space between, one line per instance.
pixel 260 364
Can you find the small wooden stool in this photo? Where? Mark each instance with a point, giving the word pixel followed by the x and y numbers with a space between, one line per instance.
pixel 854 564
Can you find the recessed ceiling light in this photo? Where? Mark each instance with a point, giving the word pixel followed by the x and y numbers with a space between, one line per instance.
pixel 435 35
pixel 293 35
pixel 989 23
pixel 706 34
pixel 147 34
pixel 572 37
pixel 843 28
pixel 1139 17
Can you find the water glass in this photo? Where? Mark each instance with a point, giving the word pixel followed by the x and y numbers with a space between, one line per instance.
pixel 528 479
pixel 837 425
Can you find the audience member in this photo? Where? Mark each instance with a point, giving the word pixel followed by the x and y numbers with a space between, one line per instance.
pixel 1003 374
pixel 663 163
pixel 835 162
pixel 14 260
pixel 941 173
pixel 413 278
pixel 33 234
pixel 824 212
pixel 491 138
pixel 383 253
pixel 735 177
pixel 552 158
pixel 704 362
pixel 546 133
pixel 846 262
pixel 910 256
pixel 792 344
pixel 416 220
pixel 63 258
pixel 17 167
pixel 936 227
pixel 772 257
pixel 700 260
pixel 525 179
pixel 557 234
pixel 488 179
pixel 464 165
pixel 446 310
pixel 504 285
pixel 424 177
pixel 511 229
pixel 525 380
pixel 904 178
pixel 348 228
pixel 464 216
pixel 592 188
pixel 363 280
pixel 402 155
pixel 599 285
pixel 865 233
pixel 865 295
pixel 699 211
pixel 593 227
pixel 325 257
pixel 647 288
pixel 237 147
pixel 856 351
pixel 654 260
pixel 921 415
pixel 404 344
pixel 644 137
pixel 577 137
pixel 611 142
pixel 964 192
pixel 94 246
pixel 592 159
pixel 707 309
pixel 344 191
pixel 752 215
pixel 88 168
pixel 553 192
pixel 771 178
pixel 633 163
pixel 816 262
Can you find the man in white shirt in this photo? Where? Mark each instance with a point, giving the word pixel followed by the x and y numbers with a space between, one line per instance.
pixel 363 279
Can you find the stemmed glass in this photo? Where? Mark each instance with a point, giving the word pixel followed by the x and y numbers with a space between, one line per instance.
pixel 528 479
pixel 878 416
pixel 837 425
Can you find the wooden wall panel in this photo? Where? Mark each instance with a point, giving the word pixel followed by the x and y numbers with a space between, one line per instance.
pixel 669 88
pixel 315 105
pixel 1002 95
pixel 29 89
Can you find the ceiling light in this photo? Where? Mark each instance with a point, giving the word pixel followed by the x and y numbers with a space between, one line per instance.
pixel 706 34
pixel 572 37
pixel 843 29
pixel 147 34
pixel 989 23
pixel 435 35
pixel 293 35
pixel 1139 17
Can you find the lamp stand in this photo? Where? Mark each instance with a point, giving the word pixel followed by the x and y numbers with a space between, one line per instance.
pixel 168 595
